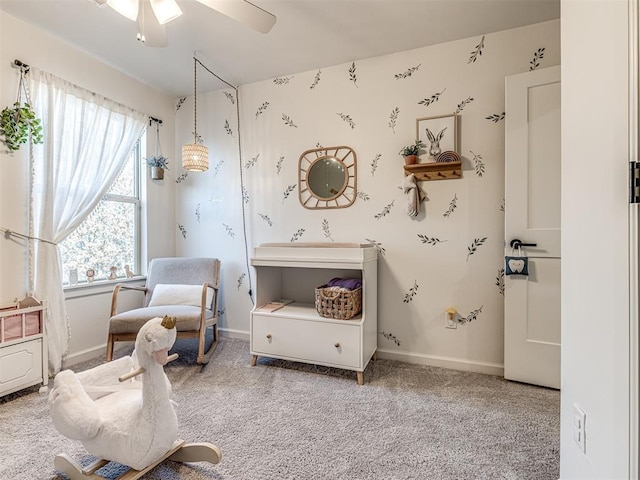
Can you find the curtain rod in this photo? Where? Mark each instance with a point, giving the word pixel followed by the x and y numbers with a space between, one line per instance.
pixel 21 64
pixel 25 67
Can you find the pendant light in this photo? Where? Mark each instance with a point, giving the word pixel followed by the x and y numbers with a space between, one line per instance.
pixel 195 156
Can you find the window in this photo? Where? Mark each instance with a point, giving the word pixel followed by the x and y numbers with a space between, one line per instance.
pixel 110 237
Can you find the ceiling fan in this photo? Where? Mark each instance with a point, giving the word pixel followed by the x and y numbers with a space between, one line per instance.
pixel 153 15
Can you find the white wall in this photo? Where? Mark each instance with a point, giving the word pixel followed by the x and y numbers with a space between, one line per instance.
pixel 88 313
pixel 595 250
pixel 209 204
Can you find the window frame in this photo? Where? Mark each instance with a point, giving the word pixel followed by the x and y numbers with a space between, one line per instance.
pixel 134 199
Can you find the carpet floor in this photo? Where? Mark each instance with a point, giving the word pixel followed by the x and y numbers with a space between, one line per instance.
pixel 284 420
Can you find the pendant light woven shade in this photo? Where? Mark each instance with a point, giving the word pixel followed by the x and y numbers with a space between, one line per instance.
pixel 195 157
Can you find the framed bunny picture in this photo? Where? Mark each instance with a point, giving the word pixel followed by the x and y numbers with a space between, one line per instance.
pixel 438 134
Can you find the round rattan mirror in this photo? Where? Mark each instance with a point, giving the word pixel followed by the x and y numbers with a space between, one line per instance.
pixel 327 177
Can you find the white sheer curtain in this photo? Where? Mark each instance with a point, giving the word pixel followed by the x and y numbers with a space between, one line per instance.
pixel 87 139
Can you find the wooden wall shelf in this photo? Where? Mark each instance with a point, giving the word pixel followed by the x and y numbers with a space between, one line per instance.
pixel 435 170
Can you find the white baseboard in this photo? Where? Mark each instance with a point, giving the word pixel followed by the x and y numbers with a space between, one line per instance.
pixel 84 355
pixel 231 333
pixel 407 357
pixel 444 362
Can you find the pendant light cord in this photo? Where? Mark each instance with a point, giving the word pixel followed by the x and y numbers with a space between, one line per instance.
pixel 242 186
pixel 195 100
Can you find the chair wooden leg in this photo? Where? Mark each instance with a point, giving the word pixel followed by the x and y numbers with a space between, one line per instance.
pixel 110 348
pixel 204 357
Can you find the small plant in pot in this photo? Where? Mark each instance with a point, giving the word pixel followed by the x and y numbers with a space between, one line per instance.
pixel 158 163
pixel 411 152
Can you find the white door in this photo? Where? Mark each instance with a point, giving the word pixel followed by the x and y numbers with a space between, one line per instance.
pixel 532 215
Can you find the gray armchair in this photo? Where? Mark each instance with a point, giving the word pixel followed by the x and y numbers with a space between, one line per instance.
pixel 176 279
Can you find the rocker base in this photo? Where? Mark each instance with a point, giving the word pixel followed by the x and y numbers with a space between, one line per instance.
pixel 180 452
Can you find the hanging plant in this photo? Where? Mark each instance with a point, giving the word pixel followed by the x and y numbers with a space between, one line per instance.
pixel 19 124
pixel 157 162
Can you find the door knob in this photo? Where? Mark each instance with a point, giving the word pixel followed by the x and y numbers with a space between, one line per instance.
pixel 517 243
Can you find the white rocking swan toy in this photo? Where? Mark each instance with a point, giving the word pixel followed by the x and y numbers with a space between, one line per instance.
pixel 119 418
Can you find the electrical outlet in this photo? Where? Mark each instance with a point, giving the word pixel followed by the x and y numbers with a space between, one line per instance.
pixel 450 321
pixel 579 430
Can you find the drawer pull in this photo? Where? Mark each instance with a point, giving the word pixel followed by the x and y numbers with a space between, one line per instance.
pixel 269 336
pixel 337 345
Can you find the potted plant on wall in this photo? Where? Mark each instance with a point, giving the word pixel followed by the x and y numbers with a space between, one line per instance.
pixel 18 123
pixel 411 152
pixel 158 163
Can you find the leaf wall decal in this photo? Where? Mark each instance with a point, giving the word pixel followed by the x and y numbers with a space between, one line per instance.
pixel 296 236
pixel 282 80
pixel 496 117
pixel 500 281
pixel 229 230
pixel 374 164
pixel 463 104
pixel 262 108
pixel 432 99
pixel 266 219
pixel 347 119
pixel 407 73
pixel 453 204
pixel 316 80
pixel 381 250
pixel 413 291
pixel 325 229
pixel 473 248
pixel 230 97
pixel 391 337
pixel 288 121
pixel 385 211
pixel 352 74
pixel 430 240
pixel 478 164
pixel 472 316
pixel 288 191
pixel 537 56
pixel 393 118
pixel 477 52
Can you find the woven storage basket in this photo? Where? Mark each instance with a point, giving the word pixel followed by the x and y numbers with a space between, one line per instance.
pixel 341 305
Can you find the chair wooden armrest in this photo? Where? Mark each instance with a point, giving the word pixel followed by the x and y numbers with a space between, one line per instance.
pixel 116 291
pixel 203 303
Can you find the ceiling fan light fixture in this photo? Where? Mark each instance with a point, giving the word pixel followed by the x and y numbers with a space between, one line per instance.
pixel 165 10
pixel 127 8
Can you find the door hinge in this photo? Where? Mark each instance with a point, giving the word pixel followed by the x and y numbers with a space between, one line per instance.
pixel 634 182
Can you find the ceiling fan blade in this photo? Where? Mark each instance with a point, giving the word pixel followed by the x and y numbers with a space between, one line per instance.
pixel 150 32
pixel 244 12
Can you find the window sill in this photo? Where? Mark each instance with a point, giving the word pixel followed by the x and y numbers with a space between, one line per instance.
pixel 98 287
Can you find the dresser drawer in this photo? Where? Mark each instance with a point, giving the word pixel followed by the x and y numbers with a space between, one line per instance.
pixel 331 344
pixel 20 365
